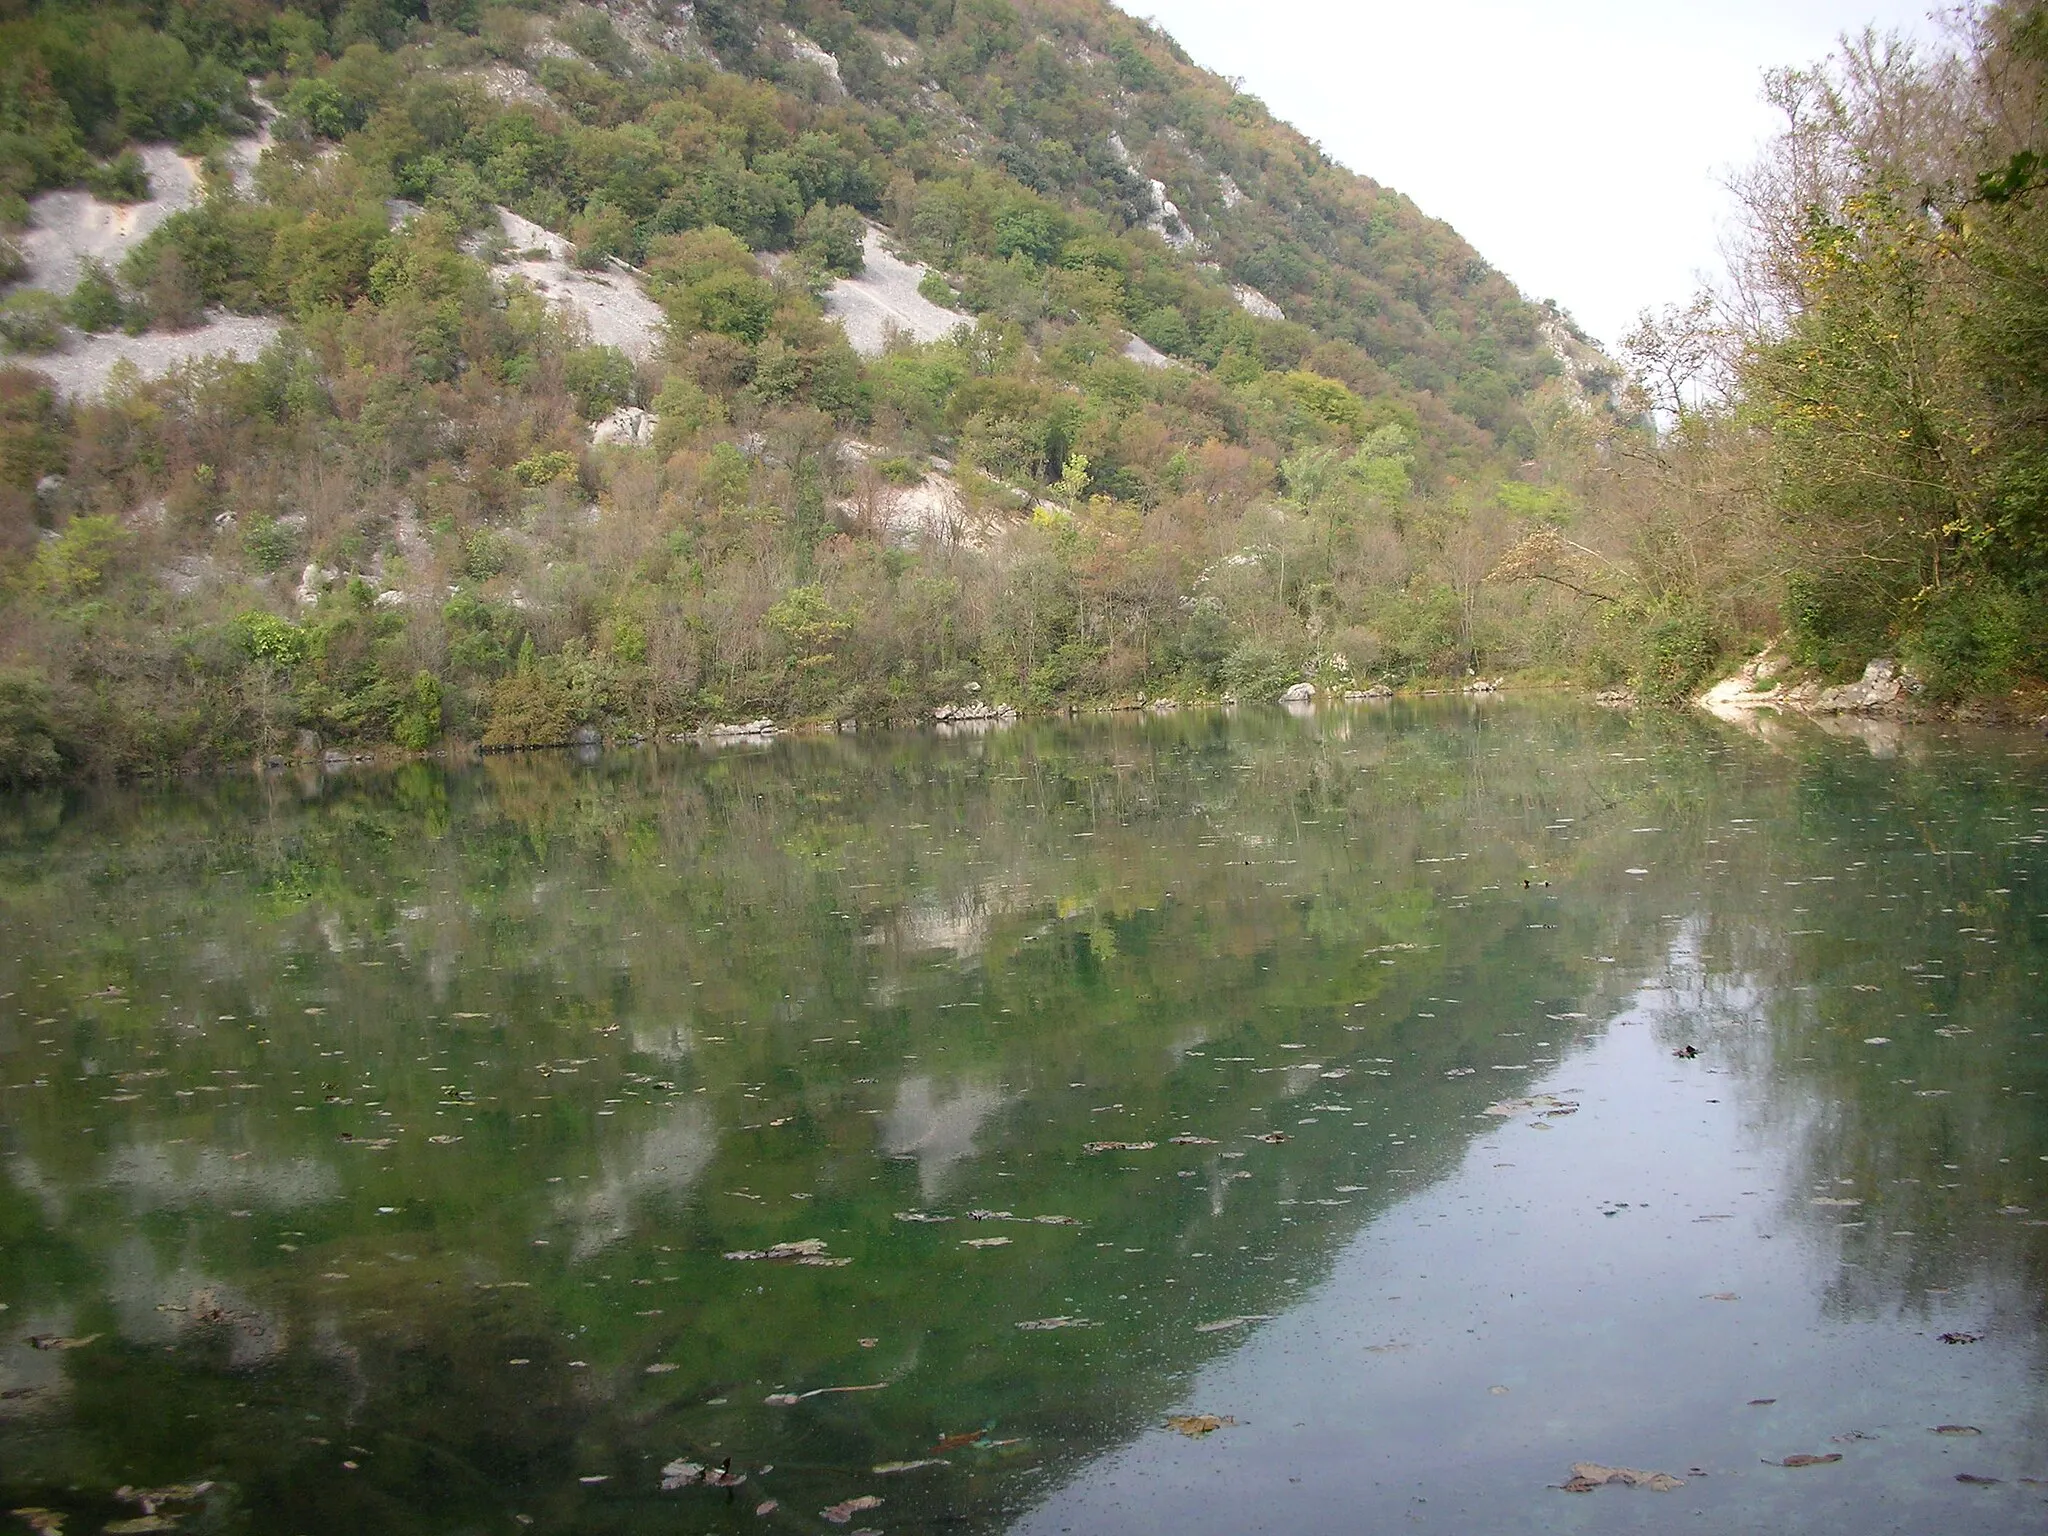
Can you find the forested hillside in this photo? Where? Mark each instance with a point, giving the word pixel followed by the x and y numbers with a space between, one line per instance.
pixel 1220 415
pixel 572 394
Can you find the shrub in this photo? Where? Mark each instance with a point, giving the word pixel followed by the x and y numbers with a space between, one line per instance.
pixel 732 304
pixel 270 545
pixel 1679 650
pixel 28 733
pixel 1976 637
pixel 1834 623
pixel 831 237
pixel 32 321
pixel 600 379
pixel 682 410
pixel 483 555
pixel 72 565
pixel 95 303
pixel 545 469
pixel 265 637
pixel 123 179
pixel 1256 669
pixel 416 722
pixel 529 708
pixel 173 298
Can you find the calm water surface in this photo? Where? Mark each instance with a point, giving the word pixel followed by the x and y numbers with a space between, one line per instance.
pixel 387 1152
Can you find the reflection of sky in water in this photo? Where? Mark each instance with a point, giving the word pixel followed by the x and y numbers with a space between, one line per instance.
pixel 936 1126
pixel 450 1136
pixel 664 1160
pixel 1640 1283
pixel 169 1178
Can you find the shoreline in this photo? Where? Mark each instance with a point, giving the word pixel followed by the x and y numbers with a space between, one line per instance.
pixel 1844 710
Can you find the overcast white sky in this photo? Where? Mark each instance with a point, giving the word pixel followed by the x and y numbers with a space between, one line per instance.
pixel 1581 145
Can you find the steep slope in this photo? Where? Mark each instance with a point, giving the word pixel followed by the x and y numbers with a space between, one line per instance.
pixel 1220 413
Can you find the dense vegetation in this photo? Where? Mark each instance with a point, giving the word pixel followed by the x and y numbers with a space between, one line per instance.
pixel 1858 444
pixel 394 529
pixel 1295 493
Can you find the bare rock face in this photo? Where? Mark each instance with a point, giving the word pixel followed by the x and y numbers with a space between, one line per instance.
pixel 961 714
pixel 1300 693
pixel 887 300
pixel 627 427
pixel 1882 685
pixel 1884 688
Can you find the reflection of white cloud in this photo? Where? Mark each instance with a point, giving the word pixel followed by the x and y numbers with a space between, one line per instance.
pixel 937 1132
pixel 153 1305
pixel 166 1178
pixel 664 1160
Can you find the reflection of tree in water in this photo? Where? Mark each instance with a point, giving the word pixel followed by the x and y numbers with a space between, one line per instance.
pixel 676 1006
pixel 1920 1160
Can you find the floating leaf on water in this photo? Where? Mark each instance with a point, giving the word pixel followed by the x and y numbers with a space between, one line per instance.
pixel 784 1399
pixel 766 1507
pixel 991 1215
pixel 1761 1402
pixel 955 1442
pixel 1957 1429
pixel 1721 1296
pixel 809 1250
pixel 1185 1140
pixel 1961 1338
pixel 1801 1459
pixel 1196 1425
pixel 1962 1477
pixel 1588 1475
pixel 1045 1324
pixel 1057 1221
pixel 443 1141
pixel 1120 1146
pixel 170 1493
pixel 840 1514
pixel 1274 1137
pixel 681 1473
pixel 987 1242
pixel 662 1368
pixel 1541 1103
pixel 1222 1324
pixel 920 1216
pixel 891 1468
pixel 55 1341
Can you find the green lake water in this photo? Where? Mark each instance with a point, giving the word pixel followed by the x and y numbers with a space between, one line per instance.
pixel 383 1150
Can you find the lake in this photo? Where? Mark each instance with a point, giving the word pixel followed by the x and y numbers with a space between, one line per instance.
pixel 1213 1122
